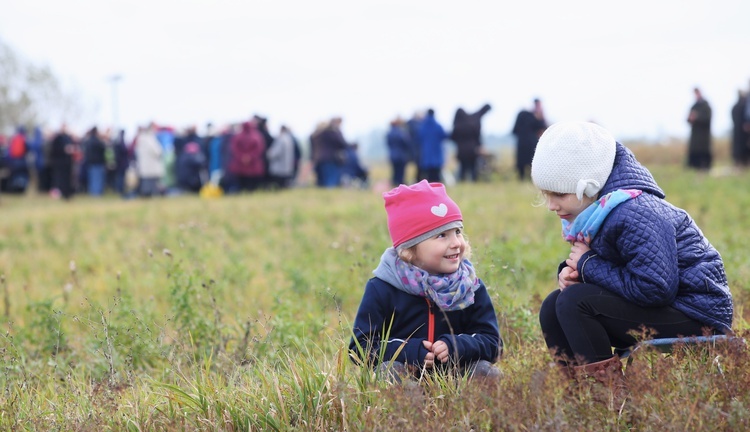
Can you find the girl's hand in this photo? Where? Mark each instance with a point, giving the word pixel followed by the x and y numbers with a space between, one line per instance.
pixel 576 251
pixel 429 359
pixel 567 277
pixel 440 349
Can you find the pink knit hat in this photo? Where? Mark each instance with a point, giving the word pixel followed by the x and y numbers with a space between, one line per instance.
pixel 418 212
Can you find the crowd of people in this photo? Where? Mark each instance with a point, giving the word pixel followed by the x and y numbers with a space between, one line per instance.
pixel 420 141
pixel 159 160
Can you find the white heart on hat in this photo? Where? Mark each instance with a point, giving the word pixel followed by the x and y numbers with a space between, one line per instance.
pixel 440 210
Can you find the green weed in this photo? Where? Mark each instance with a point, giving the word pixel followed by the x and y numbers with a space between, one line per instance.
pixel 234 314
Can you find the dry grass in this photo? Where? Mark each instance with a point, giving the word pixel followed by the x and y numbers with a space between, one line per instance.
pixel 234 314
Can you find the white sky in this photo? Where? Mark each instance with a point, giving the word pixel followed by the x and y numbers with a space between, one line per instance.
pixel 630 66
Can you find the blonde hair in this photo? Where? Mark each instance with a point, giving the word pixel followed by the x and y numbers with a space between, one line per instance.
pixel 542 199
pixel 409 254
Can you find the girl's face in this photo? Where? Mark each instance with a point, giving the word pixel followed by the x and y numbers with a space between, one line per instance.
pixel 566 205
pixel 442 253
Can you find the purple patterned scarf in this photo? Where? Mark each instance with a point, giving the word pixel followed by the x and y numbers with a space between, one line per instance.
pixel 451 292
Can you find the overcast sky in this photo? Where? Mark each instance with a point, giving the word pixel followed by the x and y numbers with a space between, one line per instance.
pixel 631 66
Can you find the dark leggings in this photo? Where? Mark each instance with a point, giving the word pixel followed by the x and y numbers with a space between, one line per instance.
pixel 583 322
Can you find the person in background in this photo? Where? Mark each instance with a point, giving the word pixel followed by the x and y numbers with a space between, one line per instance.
pixel 331 154
pixel 62 150
pixel 636 263
pixel 122 161
pixel 740 137
pixel 467 134
pixel 399 150
pixel 529 126
pixel 95 162
pixel 190 134
pixel 315 152
pixel 297 155
pixel 431 154
pixel 205 141
pixel 262 124
pixel 38 149
pixel 15 161
pixel 149 153
pixel 425 308
pixel 354 174
pixel 699 146
pixel 412 128
pixel 191 168
pixel 246 164
pixel 282 158
pixel 218 156
pixel 171 144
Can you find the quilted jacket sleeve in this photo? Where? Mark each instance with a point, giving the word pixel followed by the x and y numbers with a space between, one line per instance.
pixel 640 262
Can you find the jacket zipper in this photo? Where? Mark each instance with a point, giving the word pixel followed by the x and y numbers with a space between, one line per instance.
pixel 430 322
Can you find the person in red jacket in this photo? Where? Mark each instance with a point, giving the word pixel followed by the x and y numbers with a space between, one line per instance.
pixel 426 308
pixel 247 166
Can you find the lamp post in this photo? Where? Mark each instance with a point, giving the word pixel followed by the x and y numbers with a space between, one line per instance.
pixel 114 79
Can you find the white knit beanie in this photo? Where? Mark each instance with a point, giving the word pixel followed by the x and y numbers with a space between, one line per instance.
pixel 573 157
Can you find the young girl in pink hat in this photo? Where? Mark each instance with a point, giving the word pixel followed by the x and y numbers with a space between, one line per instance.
pixel 426 308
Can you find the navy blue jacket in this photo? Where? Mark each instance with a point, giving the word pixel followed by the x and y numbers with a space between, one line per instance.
pixel 431 137
pixel 397 322
pixel 399 148
pixel 653 254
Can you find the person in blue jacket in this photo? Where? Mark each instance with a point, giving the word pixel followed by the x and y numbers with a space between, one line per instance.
pixel 432 154
pixel 426 308
pixel 636 261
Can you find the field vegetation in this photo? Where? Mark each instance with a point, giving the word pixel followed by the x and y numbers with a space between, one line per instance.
pixel 235 314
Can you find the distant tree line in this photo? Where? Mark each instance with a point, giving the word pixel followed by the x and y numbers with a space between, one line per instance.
pixel 29 93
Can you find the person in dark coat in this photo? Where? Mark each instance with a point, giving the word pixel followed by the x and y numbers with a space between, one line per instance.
pixel 219 157
pixel 467 134
pixel 699 146
pixel 399 150
pixel 353 172
pixel 95 162
pixel 180 141
pixel 331 154
pixel 262 124
pixel 38 147
pixel 636 261
pixel 62 149
pixel 191 168
pixel 740 137
pixel 315 145
pixel 528 128
pixel 425 308
pixel 431 154
pixel 122 161
pixel 412 127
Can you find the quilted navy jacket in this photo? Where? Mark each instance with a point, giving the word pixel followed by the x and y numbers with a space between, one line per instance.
pixel 653 254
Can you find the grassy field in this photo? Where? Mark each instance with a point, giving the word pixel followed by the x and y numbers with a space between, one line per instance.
pixel 235 313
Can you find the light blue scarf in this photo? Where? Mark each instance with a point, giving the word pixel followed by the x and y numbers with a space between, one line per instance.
pixel 587 223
